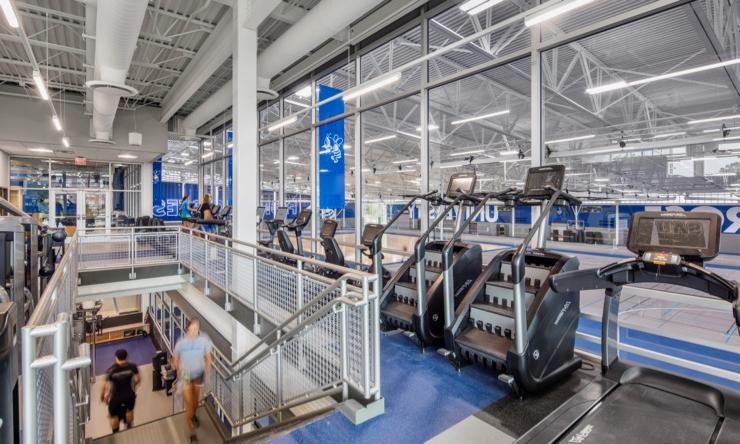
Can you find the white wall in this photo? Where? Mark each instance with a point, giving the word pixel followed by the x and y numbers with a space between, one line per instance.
pixel 4 170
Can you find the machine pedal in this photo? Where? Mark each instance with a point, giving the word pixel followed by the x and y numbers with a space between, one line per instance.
pixel 409 334
pixel 444 352
pixel 511 382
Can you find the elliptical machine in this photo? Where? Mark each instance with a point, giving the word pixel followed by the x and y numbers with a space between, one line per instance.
pixel 511 319
pixel 297 226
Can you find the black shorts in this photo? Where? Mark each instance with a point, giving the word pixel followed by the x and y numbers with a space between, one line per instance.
pixel 119 407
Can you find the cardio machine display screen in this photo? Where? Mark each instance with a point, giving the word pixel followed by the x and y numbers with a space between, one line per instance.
pixel 461 182
pixel 686 234
pixel 539 178
pixel 281 213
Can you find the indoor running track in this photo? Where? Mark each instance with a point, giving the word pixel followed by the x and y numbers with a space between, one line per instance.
pixel 424 396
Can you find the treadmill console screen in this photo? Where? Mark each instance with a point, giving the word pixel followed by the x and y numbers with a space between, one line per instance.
pixel 684 234
pixel 261 212
pixel 281 214
pixel 464 182
pixel 538 178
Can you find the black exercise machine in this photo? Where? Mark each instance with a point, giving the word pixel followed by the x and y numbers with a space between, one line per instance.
pixel 510 318
pixel 412 299
pixel 296 226
pixel 630 404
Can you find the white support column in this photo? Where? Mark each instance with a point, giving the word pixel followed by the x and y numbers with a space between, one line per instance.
pixel 246 156
pixel 424 155
pixel 147 189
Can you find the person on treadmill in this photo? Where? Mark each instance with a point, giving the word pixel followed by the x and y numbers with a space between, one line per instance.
pixel 185 213
pixel 122 380
pixel 206 212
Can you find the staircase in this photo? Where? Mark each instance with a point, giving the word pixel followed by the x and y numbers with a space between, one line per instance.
pixel 402 303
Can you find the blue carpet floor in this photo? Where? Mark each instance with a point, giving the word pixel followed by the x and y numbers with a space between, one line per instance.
pixel 424 395
pixel 140 352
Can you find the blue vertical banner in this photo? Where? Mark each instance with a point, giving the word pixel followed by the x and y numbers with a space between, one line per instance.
pixel 331 151
pixel 157 187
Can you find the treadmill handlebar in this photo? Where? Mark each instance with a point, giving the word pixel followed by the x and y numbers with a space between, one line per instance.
pixel 614 276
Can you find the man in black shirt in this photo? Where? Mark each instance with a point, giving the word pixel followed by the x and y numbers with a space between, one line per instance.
pixel 121 381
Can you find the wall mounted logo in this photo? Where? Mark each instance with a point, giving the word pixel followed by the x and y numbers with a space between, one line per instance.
pixel 332 147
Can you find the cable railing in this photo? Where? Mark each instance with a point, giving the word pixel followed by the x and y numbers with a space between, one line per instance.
pixel 326 340
pixel 55 365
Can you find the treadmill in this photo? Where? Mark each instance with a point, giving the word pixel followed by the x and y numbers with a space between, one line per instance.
pixel 631 404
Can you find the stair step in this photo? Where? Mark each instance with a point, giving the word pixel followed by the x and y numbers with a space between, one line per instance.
pixel 406 292
pixel 502 293
pixel 475 342
pixel 399 315
pixel 493 319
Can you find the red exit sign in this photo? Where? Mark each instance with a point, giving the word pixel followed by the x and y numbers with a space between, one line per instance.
pixel 81 161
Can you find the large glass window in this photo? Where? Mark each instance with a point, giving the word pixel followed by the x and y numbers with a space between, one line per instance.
pixel 391 153
pixel 297 172
pixel 270 177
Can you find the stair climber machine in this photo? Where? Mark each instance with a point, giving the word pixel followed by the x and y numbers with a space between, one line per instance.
pixel 511 319
pixel 413 298
pixel 630 404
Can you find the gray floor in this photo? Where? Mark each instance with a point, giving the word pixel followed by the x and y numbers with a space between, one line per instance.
pixel 172 430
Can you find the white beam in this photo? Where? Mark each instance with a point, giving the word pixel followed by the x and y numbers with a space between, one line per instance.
pixel 215 51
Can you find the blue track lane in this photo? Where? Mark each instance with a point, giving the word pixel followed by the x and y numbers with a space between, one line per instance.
pixel 424 395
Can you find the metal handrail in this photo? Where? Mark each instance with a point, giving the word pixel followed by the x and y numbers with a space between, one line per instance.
pixel 273 252
pixel 338 284
pixel 48 298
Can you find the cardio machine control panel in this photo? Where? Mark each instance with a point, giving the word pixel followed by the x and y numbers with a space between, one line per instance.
pixel 665 237
pixel 461 183
pixel 280 214
pixel 541 181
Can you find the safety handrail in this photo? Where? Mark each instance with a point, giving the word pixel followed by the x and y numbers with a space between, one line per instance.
pixel 48 298
pixel 449 284
pixel 340 283
pixel 419 252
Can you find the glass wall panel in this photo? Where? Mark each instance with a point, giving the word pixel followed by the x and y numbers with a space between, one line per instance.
pixel 455 24
pixel 483 123
pixel 29 173
pixel 390 167
pixel 633 126
pixel 297 172
pixel 381 60
pixel 65 174
pixel 270 177
pixel 269 115
pixel 337 81
pixel 336 176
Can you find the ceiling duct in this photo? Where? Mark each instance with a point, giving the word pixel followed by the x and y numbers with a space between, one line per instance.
pixel 118 25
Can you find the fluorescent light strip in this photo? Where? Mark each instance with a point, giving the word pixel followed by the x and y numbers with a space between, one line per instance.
pixel 508 152
pixel 288 162
pixel 465 153
pixel 714 119
pixel 413 136
pixel 476 7
pixel 722 139
pixel 624 84
pixel 398 162
pixel 293 102
pixel 65 142
pixel 570 139
pixel 720 174
pixel 601 179
pixel 431 127
pixel 557 9
pixel 40 150
pixel 372 86
pixel 451 166
pixel 127 156
pixel 207 155
pixel 285 122
pixel 57 124
pixel 380 139
pixel 485 116
pixel 10 16
pixel 664 136
pixel 40 85
pixel 707 131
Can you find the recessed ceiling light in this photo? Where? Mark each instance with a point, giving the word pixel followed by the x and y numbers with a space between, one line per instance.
pixel 127 156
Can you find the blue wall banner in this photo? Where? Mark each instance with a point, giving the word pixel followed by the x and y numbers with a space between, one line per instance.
pixel 331 151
